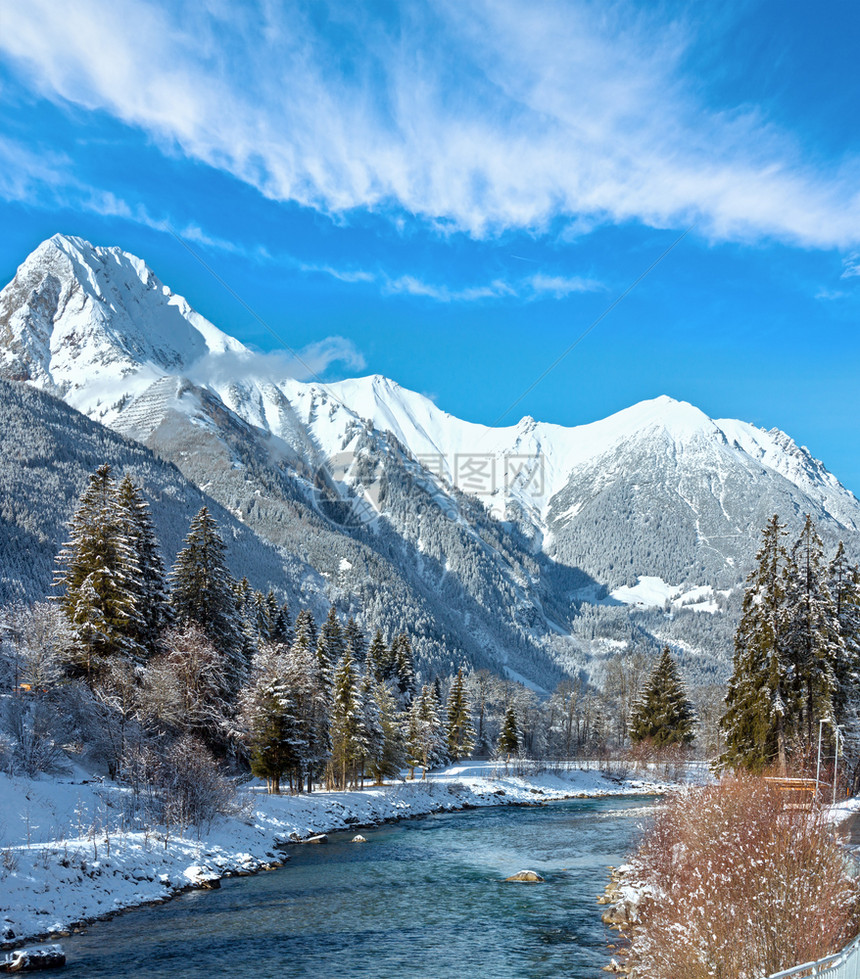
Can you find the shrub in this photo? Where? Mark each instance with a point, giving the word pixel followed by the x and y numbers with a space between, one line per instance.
pixel 179 786
pixel 33 737
pixel 741 888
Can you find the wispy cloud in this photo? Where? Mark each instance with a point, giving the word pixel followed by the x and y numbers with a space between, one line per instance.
pixel 45 179
pixel 851 267
pixel 276 366
pixel 528 289
pixel 478 117
pixel 410 285
pixel 559 286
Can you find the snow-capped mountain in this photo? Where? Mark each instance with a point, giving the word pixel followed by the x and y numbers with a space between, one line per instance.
pixel 510 529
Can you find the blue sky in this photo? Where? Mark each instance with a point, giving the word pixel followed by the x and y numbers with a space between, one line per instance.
pixel 458 190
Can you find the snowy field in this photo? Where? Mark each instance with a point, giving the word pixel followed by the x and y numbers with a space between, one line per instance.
pixel 66 857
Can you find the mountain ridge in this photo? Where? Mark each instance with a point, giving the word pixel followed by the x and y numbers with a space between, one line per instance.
pixel 514 537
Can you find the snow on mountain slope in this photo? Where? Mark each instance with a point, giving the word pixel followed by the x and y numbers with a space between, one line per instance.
pixel 96 326
pixel 530 462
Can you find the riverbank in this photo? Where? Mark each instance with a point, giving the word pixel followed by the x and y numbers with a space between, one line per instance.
pixel 66 858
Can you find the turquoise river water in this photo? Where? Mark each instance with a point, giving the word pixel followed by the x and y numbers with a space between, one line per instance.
pixel 422 899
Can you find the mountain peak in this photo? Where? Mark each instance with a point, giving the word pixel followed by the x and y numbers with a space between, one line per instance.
pixel 86 320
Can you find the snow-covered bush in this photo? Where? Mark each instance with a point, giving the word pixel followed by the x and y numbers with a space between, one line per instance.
pixel 742 886
pixel 34 733
pixel 178 786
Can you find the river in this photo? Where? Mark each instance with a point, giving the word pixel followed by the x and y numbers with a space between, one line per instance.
pixel 422 899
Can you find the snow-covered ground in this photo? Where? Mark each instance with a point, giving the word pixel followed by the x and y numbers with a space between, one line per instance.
pixel 842 810
pixel 66 857
pixel 653 592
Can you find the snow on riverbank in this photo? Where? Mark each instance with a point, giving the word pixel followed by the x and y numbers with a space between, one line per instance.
pixel 65 856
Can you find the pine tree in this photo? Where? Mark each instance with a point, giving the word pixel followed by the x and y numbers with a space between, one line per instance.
pixel 814 646
pixel 509 739
pixel 460 731
pixel 663 715
pixel 331 643
pixel 270 710
pixel 98 573
pixel 761 699
pixel 149 584
pixel 354 637
pixel 425 733
pixel 345 720
pixel 369 736
pixel 404 669
pixel 393 754
pixel 203 591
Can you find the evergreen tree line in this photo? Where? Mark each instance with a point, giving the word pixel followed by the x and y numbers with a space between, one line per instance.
pixel 197 656
pixel 796 666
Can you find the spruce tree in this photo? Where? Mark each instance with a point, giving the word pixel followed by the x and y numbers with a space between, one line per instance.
pixel 663 715
pixel 761 699
pixel 282 629
pixel 98 572
pixel 404 669
pixel 354 637
pixel 389 761
pixel 331 643
pixel 460 731
pixel 345 720
pixel 203 590
pixel 148 584
pixel 272 740
pixel 370 737
pixel 425 735
pixel 261 616
pixel 509 739
pixel 814 645
pixel 386 657
pixel 270 711
pixel 844 585
pixel 376 655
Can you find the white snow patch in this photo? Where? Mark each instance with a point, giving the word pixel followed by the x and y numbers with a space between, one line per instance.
pixel 651 591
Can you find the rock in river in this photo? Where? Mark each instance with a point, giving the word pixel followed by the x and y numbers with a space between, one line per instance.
pixel 527 877
pixel 33 959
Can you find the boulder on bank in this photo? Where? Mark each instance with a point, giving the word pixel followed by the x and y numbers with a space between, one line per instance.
pixel 203 877
pixel 526 877
pixel 34 959
pixel 321 838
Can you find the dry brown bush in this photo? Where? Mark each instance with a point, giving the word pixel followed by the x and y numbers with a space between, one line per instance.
pixel 742 888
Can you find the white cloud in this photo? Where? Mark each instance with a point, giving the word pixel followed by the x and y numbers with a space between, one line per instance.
pixel 530 288
pixel 851 267
pixel 278 365
pixel 559 286
pixel 412 286
pixel 480 117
